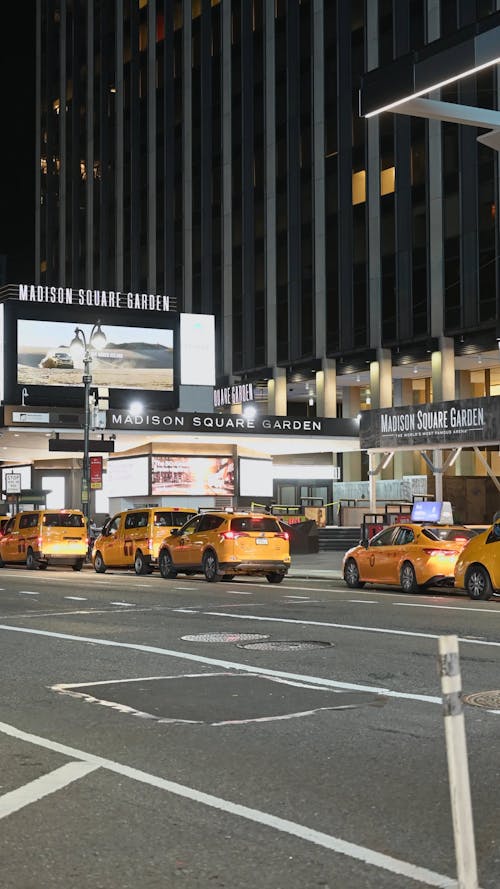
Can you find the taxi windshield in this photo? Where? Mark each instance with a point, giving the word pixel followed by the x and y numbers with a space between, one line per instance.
pixel 255 523
pixel 453 534
pixel 63 520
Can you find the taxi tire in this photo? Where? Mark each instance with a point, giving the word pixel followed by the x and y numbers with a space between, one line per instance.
pixel 211 567
pixel 351 575
pixel 141 565
pixel 43 566
pixel 31 562
pixel 408 579
pixel 2 563
pixel 166 565
pixel 99 563
pixel 275 577
pixel 77 566
pixel 478 583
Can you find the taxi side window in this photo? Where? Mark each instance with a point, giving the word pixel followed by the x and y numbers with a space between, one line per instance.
pixel 136 520
pixel 29 520
pixel 9 526
pixel 384 538
pixel 114 525
pixel 494 535
pixel 404 537
pixel 192 526
pixel 210 522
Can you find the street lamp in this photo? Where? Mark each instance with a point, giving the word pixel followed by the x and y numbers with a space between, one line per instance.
pixel 80 347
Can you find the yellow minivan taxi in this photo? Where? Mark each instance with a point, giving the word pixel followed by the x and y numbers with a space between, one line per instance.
pixel 133 537
pixel 221 545
pixel 41 537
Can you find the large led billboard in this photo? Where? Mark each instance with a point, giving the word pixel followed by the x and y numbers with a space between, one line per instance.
pixel 255 477
pixel 124 358
pixel 198 476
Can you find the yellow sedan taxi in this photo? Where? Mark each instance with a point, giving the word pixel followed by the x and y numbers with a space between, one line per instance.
pixel 478 567
pixel 408 555
pixel 221 545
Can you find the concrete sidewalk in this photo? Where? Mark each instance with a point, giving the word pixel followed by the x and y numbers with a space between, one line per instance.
pixel 323 566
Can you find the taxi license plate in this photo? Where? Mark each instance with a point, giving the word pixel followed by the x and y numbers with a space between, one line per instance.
pixel 261 540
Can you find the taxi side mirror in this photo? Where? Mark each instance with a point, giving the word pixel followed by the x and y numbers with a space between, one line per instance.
pixel 175 532
pixel 364 542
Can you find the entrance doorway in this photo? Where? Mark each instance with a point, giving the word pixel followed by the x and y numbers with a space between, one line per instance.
pixel 295 493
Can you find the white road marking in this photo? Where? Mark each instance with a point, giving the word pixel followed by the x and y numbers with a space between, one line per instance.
pixel 449 607
pixel 28 593
pixel 189 588
pixel 125 604
pixel 77 598
pixel 363 601
pixel 240 592
pixel 43 786
pixel 229 665
pixel 307 589
pixel 140 585
pixel 297 597
pixel 292 828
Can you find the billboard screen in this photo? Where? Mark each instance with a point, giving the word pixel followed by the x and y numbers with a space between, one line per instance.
pixel 199 476
pixel 127 477
pixel 256 477
pixel 124 357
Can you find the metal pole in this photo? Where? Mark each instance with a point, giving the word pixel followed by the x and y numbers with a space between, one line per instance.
pixel 87 379
pixel 458 770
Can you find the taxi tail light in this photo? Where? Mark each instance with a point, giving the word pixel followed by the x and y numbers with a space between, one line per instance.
pixel 283 535
pixel 39 542
pixel 150 543
pixel 440 552
pixel 232 535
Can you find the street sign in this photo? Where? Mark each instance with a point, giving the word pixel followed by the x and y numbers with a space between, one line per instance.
pixel 96 473
pixel 12 482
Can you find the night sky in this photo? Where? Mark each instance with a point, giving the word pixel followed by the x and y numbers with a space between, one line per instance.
pixel 17 141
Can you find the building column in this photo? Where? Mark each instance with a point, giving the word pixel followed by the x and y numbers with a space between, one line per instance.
pixel 351 408
pixel 326 389
pixel 381 379
pixel 276 393
pixel 404 461
pixel 465 464
pixel 443 370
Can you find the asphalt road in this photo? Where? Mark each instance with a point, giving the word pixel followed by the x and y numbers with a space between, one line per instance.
pixel 144 744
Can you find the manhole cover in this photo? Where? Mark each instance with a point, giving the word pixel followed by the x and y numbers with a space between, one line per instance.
pixel 223 637
pixel 489 700
pixel 278 645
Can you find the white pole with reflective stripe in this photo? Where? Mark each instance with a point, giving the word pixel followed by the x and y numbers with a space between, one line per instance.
pixel 458 769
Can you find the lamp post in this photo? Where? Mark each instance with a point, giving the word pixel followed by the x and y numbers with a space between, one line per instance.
pixel 81 346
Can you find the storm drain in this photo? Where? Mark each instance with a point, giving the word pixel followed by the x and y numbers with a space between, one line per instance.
pixel 224 637
pixel 488 700
pixel 286 645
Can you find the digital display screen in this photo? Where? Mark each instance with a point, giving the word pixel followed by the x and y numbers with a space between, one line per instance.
pixel 199 476
pixel 255 478
pixel 431 511
pixel 127 477
pixel 121 357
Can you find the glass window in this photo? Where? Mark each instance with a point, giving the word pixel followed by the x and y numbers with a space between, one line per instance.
pixel 210 522
pixel 63 520
pixel 114 524
pixel 8 526
pixel 404 537
pixel 192 526
pixel 28 520
pixel 453 534
pixel 494 535
pixel 385 537
pixel 251 523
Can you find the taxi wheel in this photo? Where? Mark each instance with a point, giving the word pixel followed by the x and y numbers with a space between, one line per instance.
pixel 351 575
pixel 275 577
pixel 478 583
pixel 141 566
pixel 31 562
pixel 43 566
pixel 166 565
pixel 408 578
pixel 211 567
pixel 99 563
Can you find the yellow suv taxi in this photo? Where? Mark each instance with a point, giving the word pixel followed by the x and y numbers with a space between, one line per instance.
pixel 221 545
pixel 43 536
pixel 478 566
pixel 133 537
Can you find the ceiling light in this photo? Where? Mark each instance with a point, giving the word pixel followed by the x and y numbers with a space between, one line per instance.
pixel 311 402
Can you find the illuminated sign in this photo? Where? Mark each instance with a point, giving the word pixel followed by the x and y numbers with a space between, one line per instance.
pixel 132 357
pixel 197 350
pixel 198 476
pixel 108 299
pixel 238 394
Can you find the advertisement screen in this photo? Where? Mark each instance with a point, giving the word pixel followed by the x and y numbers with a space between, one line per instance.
pixel 121 357
pixel 127 477
pixel 201 476
pixel 256 478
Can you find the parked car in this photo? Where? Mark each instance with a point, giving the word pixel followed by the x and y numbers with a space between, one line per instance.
pixel 221 545
pixel 411 556
pixel 45 536
pixel 478 567
pixel 133 537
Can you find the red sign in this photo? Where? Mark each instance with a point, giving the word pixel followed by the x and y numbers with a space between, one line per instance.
pixel 96 473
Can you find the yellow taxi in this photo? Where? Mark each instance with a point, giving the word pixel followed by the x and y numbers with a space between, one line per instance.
pixel 221 545
pixel 133 537
pixel 42 536
pixel 477 570
pixel 409 555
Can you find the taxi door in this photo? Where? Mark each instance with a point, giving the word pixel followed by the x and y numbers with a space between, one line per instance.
pixel 7 542
pixel 381 555
pixel 111 544
pixel 183 545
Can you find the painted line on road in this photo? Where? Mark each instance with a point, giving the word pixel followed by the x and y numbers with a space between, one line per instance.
pixel 124 604
pixel 229 665
pixel 29 593
pixel 45 785
pixel 363 601
pixel 77 598
pixel 297 597
pixel 449 607
pixel 265 819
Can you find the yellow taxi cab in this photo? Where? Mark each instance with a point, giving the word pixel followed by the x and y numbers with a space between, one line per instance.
pixel 478 567
pixel 411 555
pixel 221 545
pixel 133 537
pixel 41 537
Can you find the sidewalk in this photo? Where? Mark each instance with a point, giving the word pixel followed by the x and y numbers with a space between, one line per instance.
pixel 323 566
